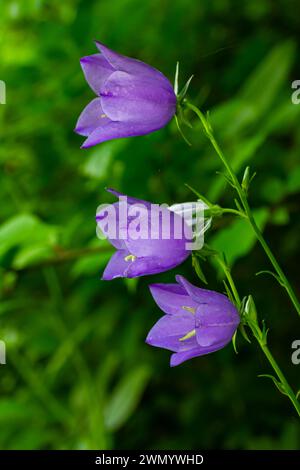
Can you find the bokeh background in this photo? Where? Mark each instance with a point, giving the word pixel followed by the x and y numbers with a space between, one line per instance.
pixel 78 373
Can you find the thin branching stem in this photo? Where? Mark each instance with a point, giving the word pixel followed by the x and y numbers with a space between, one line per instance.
pixel 246 207
pixel 261 338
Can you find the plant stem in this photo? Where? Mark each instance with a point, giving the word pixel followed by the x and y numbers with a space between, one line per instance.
pixel 64 256
pixel 261 339
pixel 289 391
pixel 229 278
pixel 243 198
pixel 233 211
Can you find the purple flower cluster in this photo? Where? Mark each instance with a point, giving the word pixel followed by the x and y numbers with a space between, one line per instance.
pixel 135 99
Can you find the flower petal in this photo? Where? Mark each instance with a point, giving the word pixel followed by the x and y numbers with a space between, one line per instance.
pixel 160 233
pixel 171 298
pixel 130 200
pixel 216 323
pixel 116 130
pixel 202 296
pixel 143 266
pixel 131 99
pixel 132 66
pixel 183 356
pixel 220 313
pixel 91 118
pixel 96 70
pixel 153 230
pixel 169 329
pixel 215 335
pixel 117 266
pixel 108 221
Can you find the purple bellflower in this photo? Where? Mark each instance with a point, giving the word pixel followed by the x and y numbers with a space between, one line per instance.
pixel 197 321
pixel 132 98
pixel 149 238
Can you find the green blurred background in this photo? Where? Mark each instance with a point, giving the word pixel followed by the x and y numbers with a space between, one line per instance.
pixel 78 373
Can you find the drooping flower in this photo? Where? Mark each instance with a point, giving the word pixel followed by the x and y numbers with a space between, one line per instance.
pixel 149 238
pixel 196 321
pixel 132 98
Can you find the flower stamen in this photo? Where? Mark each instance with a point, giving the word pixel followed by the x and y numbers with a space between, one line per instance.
pixel 188 335
pixel 130 258
pixel 189 309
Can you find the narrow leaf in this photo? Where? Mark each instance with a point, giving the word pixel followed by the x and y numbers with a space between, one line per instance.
pixel 278 384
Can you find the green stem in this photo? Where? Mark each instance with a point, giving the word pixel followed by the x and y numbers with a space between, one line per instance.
pixel 261 339
pixel 233 211
pixel 243 198
pixel 289 391
pixel 229 278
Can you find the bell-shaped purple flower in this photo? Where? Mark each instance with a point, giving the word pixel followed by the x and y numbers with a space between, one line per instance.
pixel 149 238
pixel 197 321
pixel 132 98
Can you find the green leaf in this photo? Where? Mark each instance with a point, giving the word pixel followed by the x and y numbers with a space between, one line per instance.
pixel 244 333
pixel 90 264
pixel 273 190
pixel 13 409
pixel 23 229
pixel 30 255
pixel 125 398
pixel 98 164
pixel 185 88
pixel 234 343
pixel 264 333
pixel 293 184
pixel 228 292
pixel 198 269
pixel 178 124
pixel 278 384
pixel 238 239
pixel 250 309
pixel 30 235
pixel 270 273
pixel 234 121
pixel 200 196
pixel 131 284
pixel 280 216
pixel 176 79
pixel 269 75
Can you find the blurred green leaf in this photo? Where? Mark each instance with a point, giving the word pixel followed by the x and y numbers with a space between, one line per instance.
pixel 30 255
pixel 293 184
pixel 237 239
pixel 197 267
pixel 11 409
pixel 90 264
pixel 263 85
pixel 97 165
pixel 125 398
pixel 26 230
